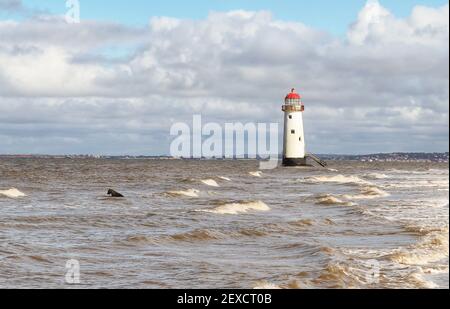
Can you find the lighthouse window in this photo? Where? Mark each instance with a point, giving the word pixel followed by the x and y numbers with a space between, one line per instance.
pixel 292 131
pixel 290 116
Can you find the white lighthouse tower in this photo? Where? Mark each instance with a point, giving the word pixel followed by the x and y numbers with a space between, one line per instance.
pixel 294 153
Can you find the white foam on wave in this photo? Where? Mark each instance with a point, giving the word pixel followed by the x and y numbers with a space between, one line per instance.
pixel 210 182
pixel 256 174
pixel 432 248
pixel 337 179
pixel 331 200
pixel 437 270
pixel 418 280
pixel 377 176
pixel 367 193
pixel 264 285
pixel 238 208
pixel 187 193
pixel 225 178
pixel 12 193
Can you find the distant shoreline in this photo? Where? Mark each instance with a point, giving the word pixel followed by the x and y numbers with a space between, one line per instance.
pixel 442 157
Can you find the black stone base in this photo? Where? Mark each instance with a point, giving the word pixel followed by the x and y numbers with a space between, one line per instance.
pixel 294 162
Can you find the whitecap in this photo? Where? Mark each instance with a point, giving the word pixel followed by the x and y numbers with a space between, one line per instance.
pixel 187 193
pixel 432 248
pixel 266 286
pixel 367 193
pixel 329 200
pixel 342 179
pixel 210 182
pixel 12 193
pixel 238 208
pixel 377 176
pixel 418 280
pixel 225 178
pixel 256 174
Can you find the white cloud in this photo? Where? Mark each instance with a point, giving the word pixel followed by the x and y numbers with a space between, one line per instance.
pixel 385 85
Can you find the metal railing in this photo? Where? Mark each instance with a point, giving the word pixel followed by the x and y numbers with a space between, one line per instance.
pixel 293 108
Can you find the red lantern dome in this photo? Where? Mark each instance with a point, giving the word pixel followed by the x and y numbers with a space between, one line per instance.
pixel 293 102
pixel 293 95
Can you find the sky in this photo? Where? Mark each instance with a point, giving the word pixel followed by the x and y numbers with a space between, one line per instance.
pixel 374 75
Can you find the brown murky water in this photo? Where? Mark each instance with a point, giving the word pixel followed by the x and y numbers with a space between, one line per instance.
pixel 213 224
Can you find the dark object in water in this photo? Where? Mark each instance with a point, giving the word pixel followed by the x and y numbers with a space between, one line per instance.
pixel 113 193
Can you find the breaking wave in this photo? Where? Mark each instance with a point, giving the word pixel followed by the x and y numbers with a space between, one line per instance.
pixel 342 275
pixel 433 247
pixel 210 182
pixel 264 285
pixel 418 280
pixel 225 178
pixel 186 193
pixel 337 179
pixel 377 176
pixel 302 223
pixel 426 230
pixel 256 174
pixel 329 200
pixel 12 193
pixel 238 208
pixel 367 193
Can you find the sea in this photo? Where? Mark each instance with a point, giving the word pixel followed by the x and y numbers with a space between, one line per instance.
pixel 223 224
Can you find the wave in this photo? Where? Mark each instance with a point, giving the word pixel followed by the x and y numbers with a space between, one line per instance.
pixel 252 233
pixel 377 176
pixel 188 180
pixel 210 182
pixel 329 200
pixel 432 248
pixel 341 275
pixel 225 178
pixel 426 230
pixel 12 193
pixel 367 193
pixel 238 208
pixel 419 281
pixel 264 285
pixel 342 179
pixel 139 239
pixel 435 270
pixel 39 258
pixel 412 183
pixel 197 235
pixel 187 193
pixel 302 223
pixel 256 174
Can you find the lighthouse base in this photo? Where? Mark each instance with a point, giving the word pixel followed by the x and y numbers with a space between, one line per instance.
pixel 294 162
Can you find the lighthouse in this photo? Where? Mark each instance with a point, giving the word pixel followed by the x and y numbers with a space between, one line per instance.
pixel 294 152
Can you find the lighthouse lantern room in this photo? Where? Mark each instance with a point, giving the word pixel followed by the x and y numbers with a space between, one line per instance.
pixel 294 153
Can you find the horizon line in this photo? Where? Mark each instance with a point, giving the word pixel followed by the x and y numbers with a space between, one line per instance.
pixel 169 156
